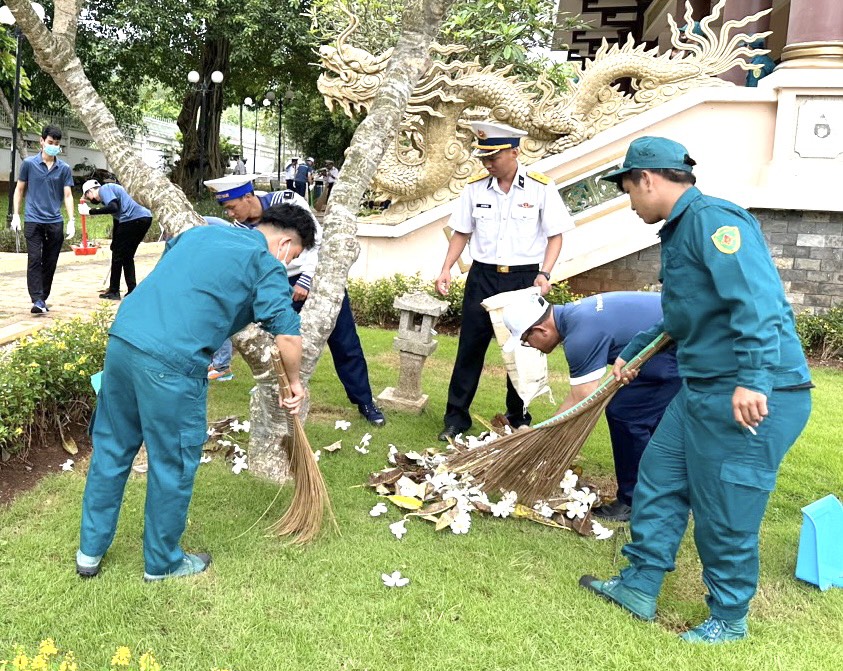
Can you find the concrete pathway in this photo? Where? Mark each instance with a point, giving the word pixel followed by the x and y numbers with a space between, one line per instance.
pixel 76 285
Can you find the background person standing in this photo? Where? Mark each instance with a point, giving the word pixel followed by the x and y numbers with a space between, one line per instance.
pixel 131 223
pixel 515 219
pixel 45 180
pixel 303 178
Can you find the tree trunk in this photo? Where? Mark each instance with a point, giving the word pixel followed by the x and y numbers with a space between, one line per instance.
pixel 410 60
pixel 215 56
pixel 19 139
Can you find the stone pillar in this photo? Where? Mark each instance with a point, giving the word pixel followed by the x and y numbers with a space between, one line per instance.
pixel 735 10
pixel 418 314
pixel 814 34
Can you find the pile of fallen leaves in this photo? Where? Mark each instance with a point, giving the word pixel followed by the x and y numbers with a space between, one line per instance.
pixel 420 485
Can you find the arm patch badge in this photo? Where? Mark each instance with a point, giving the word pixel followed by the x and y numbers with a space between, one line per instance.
pixel 727 239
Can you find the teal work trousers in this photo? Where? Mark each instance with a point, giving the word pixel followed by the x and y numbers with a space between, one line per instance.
pixel 700 460
pixel 144 400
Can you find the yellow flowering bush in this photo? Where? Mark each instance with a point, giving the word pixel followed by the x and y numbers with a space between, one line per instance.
pixel 45 379
pixel 48 658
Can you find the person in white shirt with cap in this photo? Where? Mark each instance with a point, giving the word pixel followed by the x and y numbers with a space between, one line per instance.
pixel 244 207
pixel 514 219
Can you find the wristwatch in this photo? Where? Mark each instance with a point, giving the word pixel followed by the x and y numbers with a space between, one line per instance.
pixel 545 273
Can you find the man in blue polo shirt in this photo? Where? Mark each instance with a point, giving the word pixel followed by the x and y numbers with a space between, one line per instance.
pixel 303 177
pixel 45 180
pixel 593 331
pixel 131 222
pixel 154 384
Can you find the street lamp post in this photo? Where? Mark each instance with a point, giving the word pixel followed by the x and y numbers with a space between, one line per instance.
pixel 194 78
pixel 288 95
pixel 267 101
pixel 8 19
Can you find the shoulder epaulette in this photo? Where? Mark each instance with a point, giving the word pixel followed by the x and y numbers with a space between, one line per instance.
pixel 539 177
pixel 478 177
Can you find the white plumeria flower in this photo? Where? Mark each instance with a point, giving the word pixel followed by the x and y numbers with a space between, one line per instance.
pixel 394 579
pixel 379 509
pixel 317 455
pixel 342 425
pixel 407 487
pixel 503 508
pixel 205 459
pixel 361 449
pixel 239 426
pixel 235 425
pixel 441 480
pixel 576 509
pixel 224 443
pixel 461 523
pixel 238 450
pixel 398 528
pixel 366 439
pixel 569 481
pixel 543 509
pixel 438 459
pixel 239 465
pixel 480 497
pixel 392 452
pixel 67 465
pixel 601 532
pixel 510 497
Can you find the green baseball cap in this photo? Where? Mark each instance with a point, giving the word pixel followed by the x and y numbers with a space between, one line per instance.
pixel 650 153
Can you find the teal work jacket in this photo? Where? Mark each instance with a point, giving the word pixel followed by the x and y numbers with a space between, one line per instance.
pixel 723 300
pixel 210 283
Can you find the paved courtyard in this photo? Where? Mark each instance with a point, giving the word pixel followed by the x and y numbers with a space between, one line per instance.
pixel 76 286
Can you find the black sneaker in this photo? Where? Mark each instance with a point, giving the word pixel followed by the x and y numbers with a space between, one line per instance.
pixel 450 432
pixel 110 296
pixel 615 511
pixel 39 308
pixel 516 422
pixel 372 413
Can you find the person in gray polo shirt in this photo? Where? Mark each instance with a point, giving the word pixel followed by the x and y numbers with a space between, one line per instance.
pixel 46 180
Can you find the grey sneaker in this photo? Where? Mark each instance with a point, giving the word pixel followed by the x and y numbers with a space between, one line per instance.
pixel 190 565
pixel 86 565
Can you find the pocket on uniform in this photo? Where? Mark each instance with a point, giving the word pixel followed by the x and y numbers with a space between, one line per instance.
pixel 746 490
pixel 191 442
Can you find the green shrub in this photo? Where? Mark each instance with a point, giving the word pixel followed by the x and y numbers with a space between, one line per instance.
pixel 822 335
pixel 45 380
pixel 371 302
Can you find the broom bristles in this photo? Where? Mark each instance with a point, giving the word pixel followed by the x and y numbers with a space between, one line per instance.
pixel 311 502
pixel 533 461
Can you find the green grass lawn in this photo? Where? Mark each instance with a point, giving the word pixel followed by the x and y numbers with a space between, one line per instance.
pixel 505 596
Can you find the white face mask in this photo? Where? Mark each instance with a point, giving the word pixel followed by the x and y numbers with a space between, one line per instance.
pixel 289 244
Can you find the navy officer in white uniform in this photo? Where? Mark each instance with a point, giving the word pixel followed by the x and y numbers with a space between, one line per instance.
pixel 514 219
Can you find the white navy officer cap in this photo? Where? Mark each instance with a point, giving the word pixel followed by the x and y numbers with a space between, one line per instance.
pixel 231 187
pixel 520 317
pixel 493 137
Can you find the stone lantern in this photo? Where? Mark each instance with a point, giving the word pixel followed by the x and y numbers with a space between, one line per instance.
pixel 418 314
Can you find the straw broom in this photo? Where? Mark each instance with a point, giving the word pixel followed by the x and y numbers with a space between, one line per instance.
pixel 533 461
pixel 310 503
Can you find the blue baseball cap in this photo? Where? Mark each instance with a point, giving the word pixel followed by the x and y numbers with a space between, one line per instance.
pixel 652 153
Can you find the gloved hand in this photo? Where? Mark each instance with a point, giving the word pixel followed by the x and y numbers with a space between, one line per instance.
pixel 15 222
pixel 71 228
pixel 84 209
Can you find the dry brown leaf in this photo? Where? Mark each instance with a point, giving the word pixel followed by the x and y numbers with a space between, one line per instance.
pixel 387 476
pixel 445 520
pixel 333 447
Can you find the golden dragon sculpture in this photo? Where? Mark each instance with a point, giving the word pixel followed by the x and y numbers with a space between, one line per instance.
pixel 431 157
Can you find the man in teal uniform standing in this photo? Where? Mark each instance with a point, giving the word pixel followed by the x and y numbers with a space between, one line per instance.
pixel 744 400
pixel 154 383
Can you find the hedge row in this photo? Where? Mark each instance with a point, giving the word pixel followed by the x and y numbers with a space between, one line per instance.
pixel 371 302
pixel 822 335
pixel 45 379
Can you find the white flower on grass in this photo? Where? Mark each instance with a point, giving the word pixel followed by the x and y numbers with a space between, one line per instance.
pixel 569 481
pixel 238 450
pixel 379 509
pixel 394 579
pixel 224 443
pixel 67 465
pixel 600 531
pixel 239 465
pixel 398 529
pixel 317 455
pixel 461 523
pixel 238 426
pixel 576 509
pixel 205 459
pixel 342 425
pixel 392 452
pixel 543 509
pixel 361 449
pixel 366 439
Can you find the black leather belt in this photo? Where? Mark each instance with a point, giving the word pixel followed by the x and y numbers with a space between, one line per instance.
pixel 509 269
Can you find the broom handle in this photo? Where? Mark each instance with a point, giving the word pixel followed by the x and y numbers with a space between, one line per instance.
pixel 281 372
pixel 662 341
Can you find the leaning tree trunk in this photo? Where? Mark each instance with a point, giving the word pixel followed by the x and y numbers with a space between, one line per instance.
pixel 215 56
pixel 410 60
pixel 19 139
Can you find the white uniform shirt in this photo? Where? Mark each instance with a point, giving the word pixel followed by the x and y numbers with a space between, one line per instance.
pixel 510 228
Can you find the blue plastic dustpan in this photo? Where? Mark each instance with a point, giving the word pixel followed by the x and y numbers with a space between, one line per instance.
pixel 820 558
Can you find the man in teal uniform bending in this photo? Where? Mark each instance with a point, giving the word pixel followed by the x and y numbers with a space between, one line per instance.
pixel 154 384
pixel 744 400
